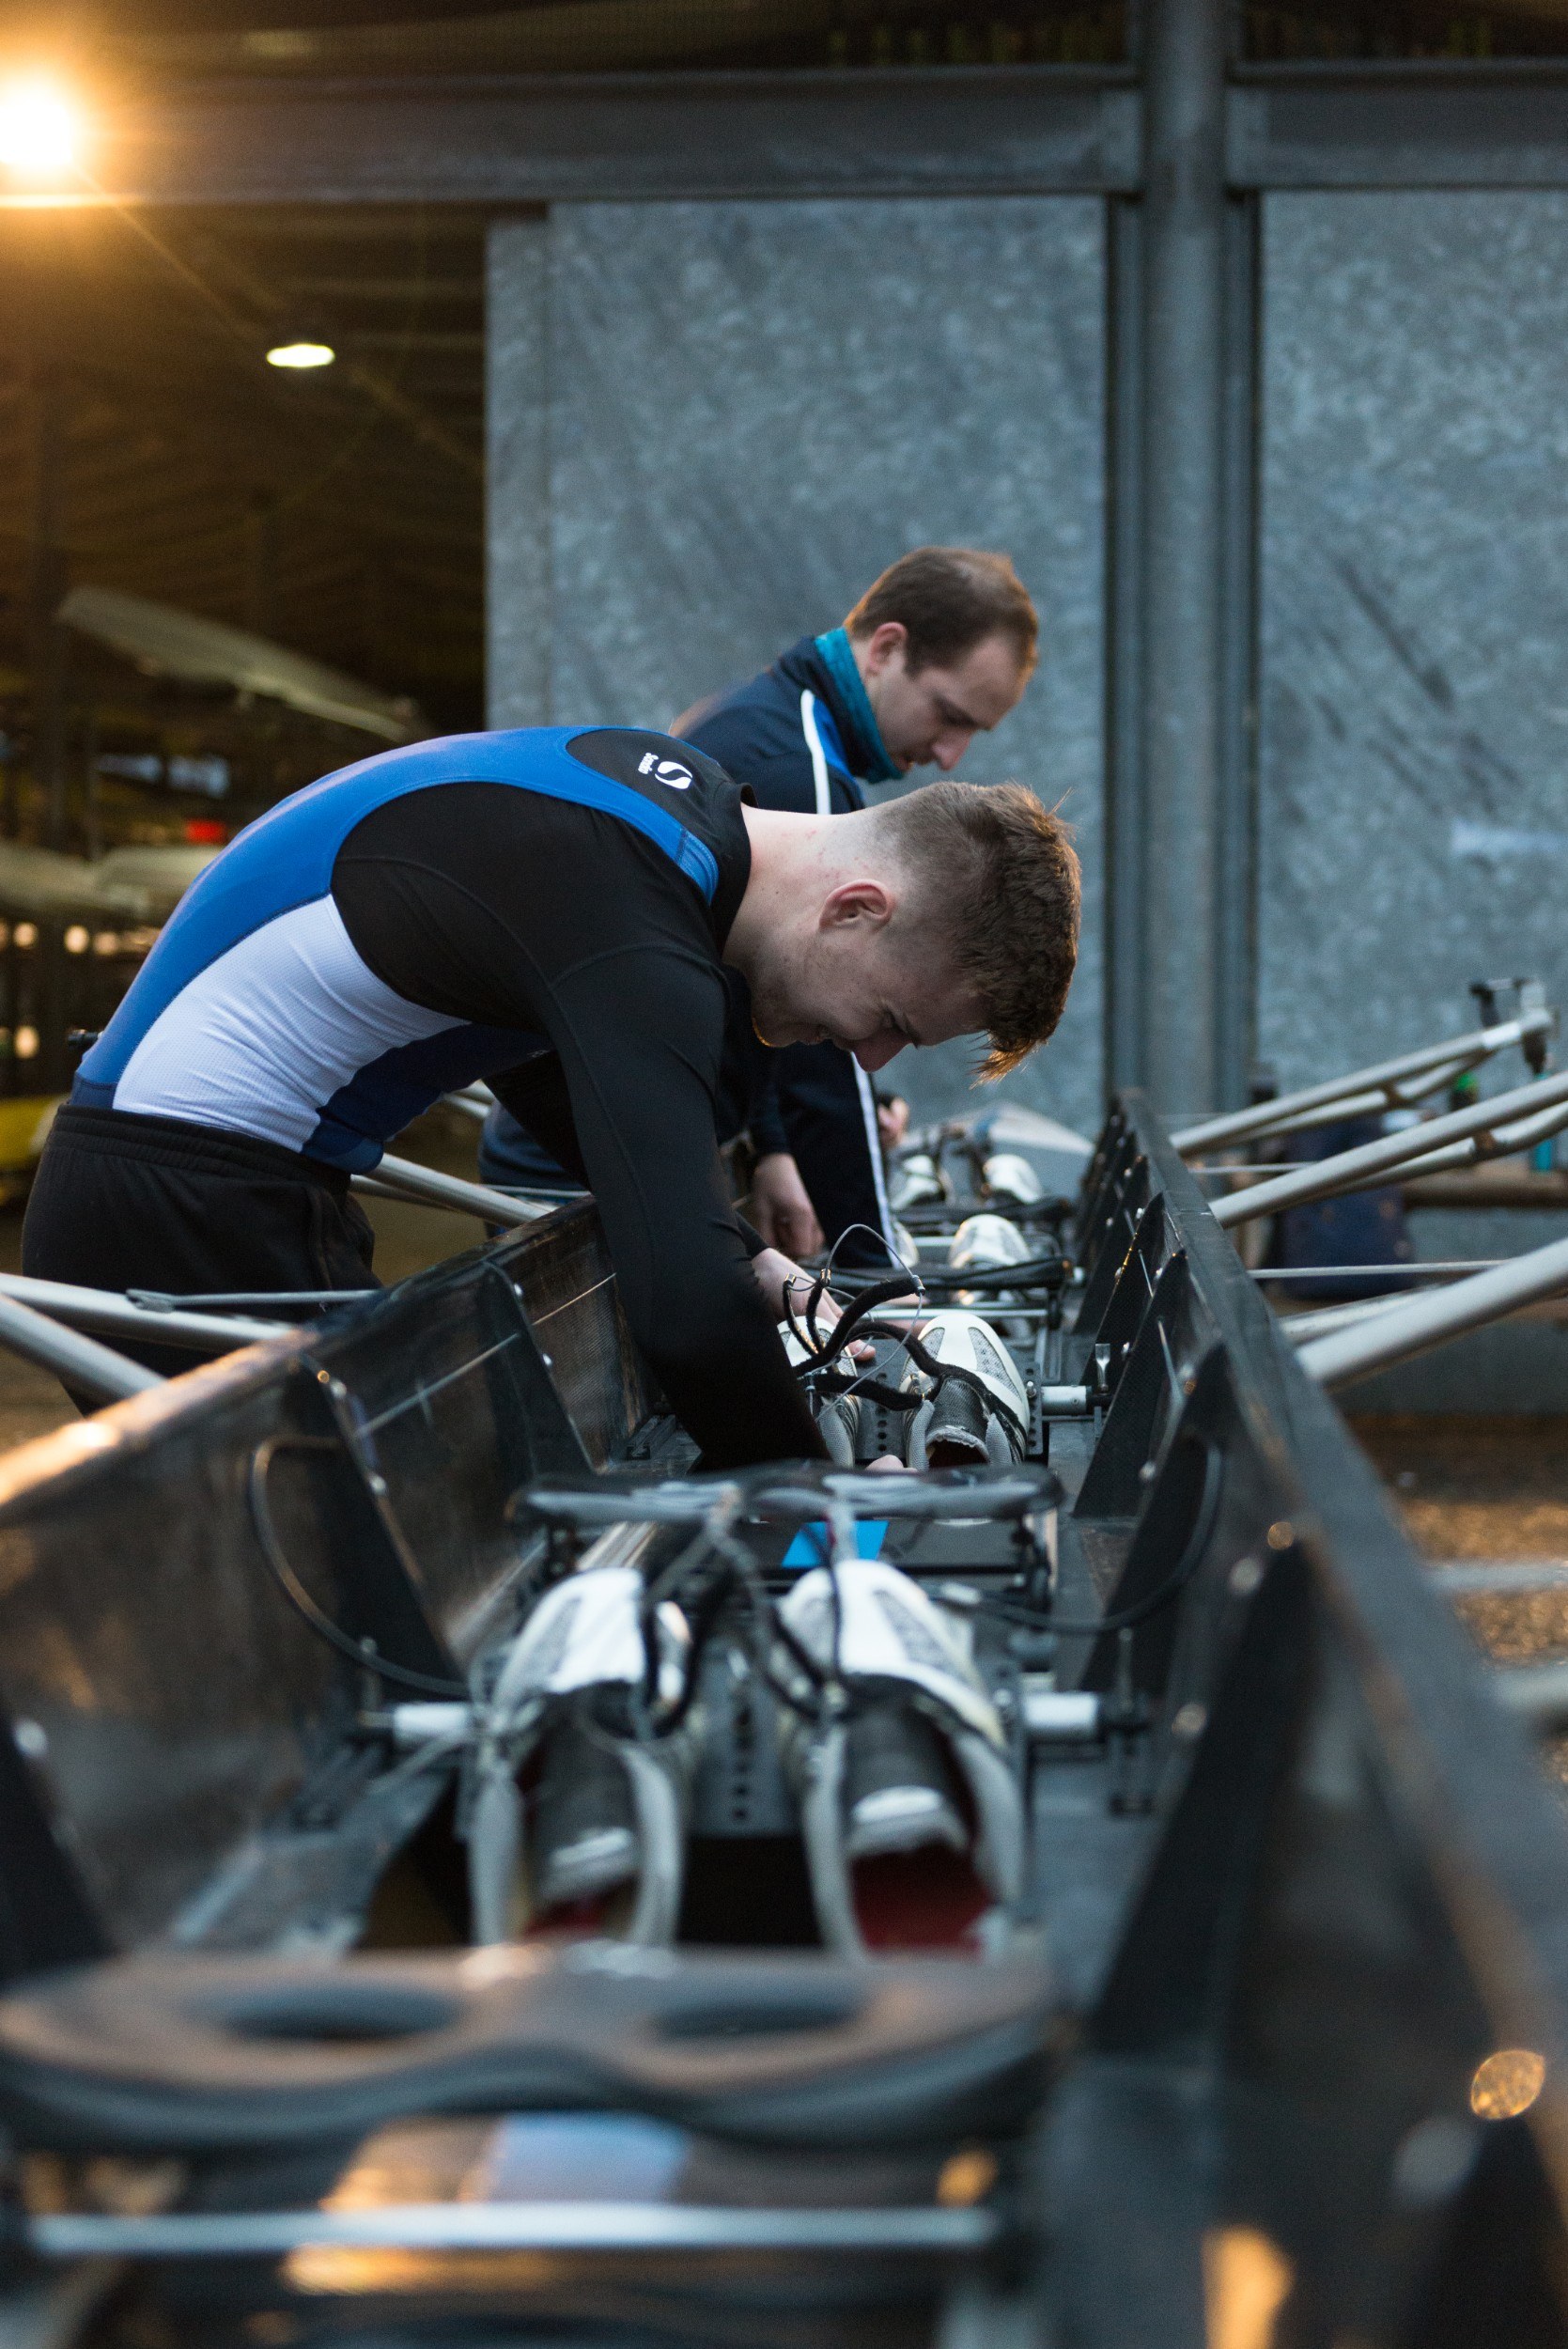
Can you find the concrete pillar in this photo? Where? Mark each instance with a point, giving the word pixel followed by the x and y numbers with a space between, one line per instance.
pixel 1183 244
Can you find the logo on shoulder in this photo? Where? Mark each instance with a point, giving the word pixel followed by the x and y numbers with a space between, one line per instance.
pixel 666 771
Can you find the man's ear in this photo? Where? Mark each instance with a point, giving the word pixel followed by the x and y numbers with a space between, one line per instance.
pixel 883 644
pixel 867 904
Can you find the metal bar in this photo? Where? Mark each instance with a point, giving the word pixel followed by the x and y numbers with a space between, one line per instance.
pixel 1464 1580
pixel 1448 1269
pixel 402 1178
pixel 507 2227
pixel 1182 481
pixel 500 139
pixel 1236 829
pixel 1518 1135
pixel 108 1311
pixel 1537 1694
pixel 1351 1170
pixel 76 1361
pixel 1442 1061
pixel 163 1300
pixel 1300 1328
pixel 1500 1183
pixel 1417 1323
pixel 507 140
pixel 1344 1105
pixel 1412 123
pixel 1126 974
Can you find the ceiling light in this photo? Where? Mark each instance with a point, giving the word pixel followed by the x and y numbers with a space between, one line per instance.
pixel 301 354
pixel 40 129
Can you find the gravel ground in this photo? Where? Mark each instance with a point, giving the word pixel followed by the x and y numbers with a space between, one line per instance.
pixel 1487 1488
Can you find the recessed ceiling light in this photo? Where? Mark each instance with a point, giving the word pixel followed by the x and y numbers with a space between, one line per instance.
pixel 301 354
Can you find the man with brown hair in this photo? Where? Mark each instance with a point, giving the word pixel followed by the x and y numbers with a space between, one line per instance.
pixel 554 909
pixel 936 650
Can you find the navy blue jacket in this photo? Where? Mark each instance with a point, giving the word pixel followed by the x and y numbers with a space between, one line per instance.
pixel 820 1104
pixel 811 1099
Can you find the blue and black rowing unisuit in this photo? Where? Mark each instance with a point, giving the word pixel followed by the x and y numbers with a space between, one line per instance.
pixel 412 922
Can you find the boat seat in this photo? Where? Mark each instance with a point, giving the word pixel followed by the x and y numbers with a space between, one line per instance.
pixel 172 2053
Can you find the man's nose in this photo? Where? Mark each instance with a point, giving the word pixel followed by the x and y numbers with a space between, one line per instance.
pixel 877 1051
pixel 949 748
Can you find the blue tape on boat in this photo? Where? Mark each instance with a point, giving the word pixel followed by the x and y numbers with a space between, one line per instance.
pixel 810 1546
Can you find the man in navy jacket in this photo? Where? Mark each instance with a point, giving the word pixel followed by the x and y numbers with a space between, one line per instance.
pixel 939 649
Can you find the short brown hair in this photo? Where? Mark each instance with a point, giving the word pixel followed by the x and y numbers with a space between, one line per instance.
pixel 950 598
pixel 1009 891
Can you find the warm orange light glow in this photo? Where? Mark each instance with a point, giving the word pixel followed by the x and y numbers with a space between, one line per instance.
pixel 40 129
pixel 1507 2084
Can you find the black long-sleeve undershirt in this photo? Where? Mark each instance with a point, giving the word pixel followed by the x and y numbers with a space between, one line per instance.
pixel 505 908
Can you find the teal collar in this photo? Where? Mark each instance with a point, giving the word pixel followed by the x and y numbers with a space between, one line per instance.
pixel 862 741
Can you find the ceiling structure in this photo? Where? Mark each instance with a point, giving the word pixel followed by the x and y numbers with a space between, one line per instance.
pixel 350 37
pixel 285 38
pixel 146 445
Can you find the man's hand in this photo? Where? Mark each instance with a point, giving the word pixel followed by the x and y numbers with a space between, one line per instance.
pixel 776 1274
pixel 782 1212
pixel 892 1123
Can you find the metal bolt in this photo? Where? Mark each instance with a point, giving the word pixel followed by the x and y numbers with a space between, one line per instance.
pixel 1147 1474
pixel 32 1739
pixel 1190 1722
pixel 1245 1576
pixel 1280 1533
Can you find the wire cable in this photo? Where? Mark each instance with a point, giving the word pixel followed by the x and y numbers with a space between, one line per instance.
pixel 1156 1601
pixel 363 1652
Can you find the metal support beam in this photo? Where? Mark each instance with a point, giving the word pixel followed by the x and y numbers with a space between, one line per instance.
pixel 111 1315
pixel 1418 1323
pixel 510 2227
pixel 1237 851
pixel 77 1361
pixel 1386 1085
pixel 1507 1122
pixel 1183 491
pixel 1126 987
pixel 401 1178
pixel 552 138
pixel 1409 123
pixel 917 131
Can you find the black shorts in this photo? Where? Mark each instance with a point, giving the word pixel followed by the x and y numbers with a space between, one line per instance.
pixel 153 1202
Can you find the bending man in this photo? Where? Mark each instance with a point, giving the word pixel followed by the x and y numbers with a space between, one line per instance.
pixel 939 649
pixel 552 910
pixel 936 650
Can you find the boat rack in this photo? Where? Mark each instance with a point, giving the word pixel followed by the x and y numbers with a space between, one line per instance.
pixel 1298 1916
